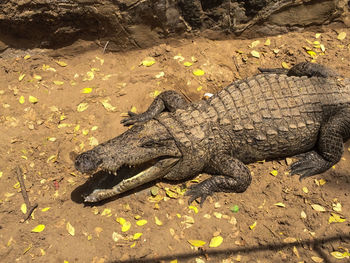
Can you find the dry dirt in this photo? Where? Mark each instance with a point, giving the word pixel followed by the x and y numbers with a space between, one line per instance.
pixel 40 137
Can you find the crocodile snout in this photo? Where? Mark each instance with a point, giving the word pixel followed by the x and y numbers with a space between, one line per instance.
pixel 87 162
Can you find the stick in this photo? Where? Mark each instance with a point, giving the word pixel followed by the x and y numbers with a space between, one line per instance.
pixel 25 195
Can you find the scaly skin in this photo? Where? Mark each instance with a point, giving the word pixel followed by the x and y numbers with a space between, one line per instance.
pixel 304 111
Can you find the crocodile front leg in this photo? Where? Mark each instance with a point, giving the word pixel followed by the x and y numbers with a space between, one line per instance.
pixel 166 101
pixel 329 147
pixel 231 175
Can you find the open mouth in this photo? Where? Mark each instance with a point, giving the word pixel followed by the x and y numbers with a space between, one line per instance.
pixel 131 176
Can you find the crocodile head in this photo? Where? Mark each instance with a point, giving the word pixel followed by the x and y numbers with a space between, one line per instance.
pixel 143 153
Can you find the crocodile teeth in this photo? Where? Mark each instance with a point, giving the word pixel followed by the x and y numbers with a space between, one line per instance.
pixel 115 173
pixel 109 172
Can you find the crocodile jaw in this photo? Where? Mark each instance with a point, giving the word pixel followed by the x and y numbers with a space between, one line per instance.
pixel 155 171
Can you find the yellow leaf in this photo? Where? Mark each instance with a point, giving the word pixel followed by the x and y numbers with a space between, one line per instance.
pixel 341 36
pixel 160 74
pixel 318 208
pixel 106 212
pixel 21 77
pixel 188 64
pixel 1 173
pixel 37 77
pixel 133 109
pixel 322 181
pixel 137 236
pixel 196 243
pixel 61 63
pixel 58 82
pixel 45 209
pixel 317 35
pixel 98 230
pixel 48 68
pixel 317 259
pixel 86 90
pixel 126 226
pixel 82 106
pixel 254 43
pixel 252 226
pixel 334 218
pixel 89 76
pixel 70 229
pixel 337 207
pixel 156 93
pixel 120 220
pixel 116 237
pixel 216 241
pixel 133 245
pixel 305 190
pixel 147 62
pixel 38 228
pixel 285 65
pixel 174 261
pixel 93 141
pixel 339 255
pixel 274 172
pixel 158 222
pixel 267 42
pixel 194 208
pixel 17 185
pixel 323 49
pixel 179 57
pixel 199 88
pixel 141 222
pixel 21 100
pixel 32 99
pixel 107 105
pixel 312 53
pixel 280 204
pixel 24 208
pixel 26 57
pixel 198 72
pixel 255 54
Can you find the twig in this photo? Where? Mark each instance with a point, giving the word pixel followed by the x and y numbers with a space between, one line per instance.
pixel 104 49
pixel 25 195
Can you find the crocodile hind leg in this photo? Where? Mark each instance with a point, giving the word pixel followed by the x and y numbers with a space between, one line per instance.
pixel 166 101
pixel 329 147
pixel 231 175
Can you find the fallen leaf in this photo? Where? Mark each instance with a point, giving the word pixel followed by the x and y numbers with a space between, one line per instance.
pixel 32 99
pixel 21 100
pixel 106 212
pixel 305 190
pixel 267 42
pixel 274 172
pixel 254 43
pixel 318 208
pixel 188 64
pixel 38 228
pixel 98 231
pixel 340 255
pixel 234 208
pixel 107 105
pixel 196 243
pixel 252 226
pixel 285 65
pixel 26 57
pixel 126 226
pixel 58 82
pixel 61 63
pixel 194 208
pixel 198 72
pixel 317 259
pixel 70 229
pixel 158 222
pixel 37 77
pixel 147 62
pixel 86 90
pixel 216 241
pixel 137 236
pixel 303 214
pixel 280 204
pixel 160 74
pixel 255 54
pixel 82 106
pixel 312 53
pixel 24 208
pixel 45 209
pixel 334 218
pixel 21 77
pixel 341 36
pixel 337 207
pixel 90 75
pixel 141 222
pixel 116 237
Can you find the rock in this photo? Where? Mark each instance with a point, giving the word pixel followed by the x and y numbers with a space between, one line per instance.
pixel 126 24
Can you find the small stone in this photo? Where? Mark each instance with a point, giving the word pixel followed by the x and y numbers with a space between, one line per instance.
pixel 289 161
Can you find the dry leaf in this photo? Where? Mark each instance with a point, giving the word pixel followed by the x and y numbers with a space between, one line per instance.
pixel 255 54
pixel 107 105
pixel 147 62
pixel 70 229
pixel 216 241
pixel 141 222
pixel 318 208
pixel 82 106
pixel 196 243
pixel 198 72
pixel 61 63
pixel 341 36
pixel 38 228
pixel 137 236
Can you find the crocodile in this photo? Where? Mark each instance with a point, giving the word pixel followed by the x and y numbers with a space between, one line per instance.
pixel 302 112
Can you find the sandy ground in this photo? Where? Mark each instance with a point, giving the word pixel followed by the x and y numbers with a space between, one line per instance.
pixel 80 102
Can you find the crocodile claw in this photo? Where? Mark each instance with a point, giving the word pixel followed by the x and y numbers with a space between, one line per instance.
pixel 132 119
pixel 195 192
pixel 309 164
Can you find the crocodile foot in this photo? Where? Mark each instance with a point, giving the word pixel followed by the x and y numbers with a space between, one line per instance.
pixel 132 119
pixel 309 164
pixel 198 191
